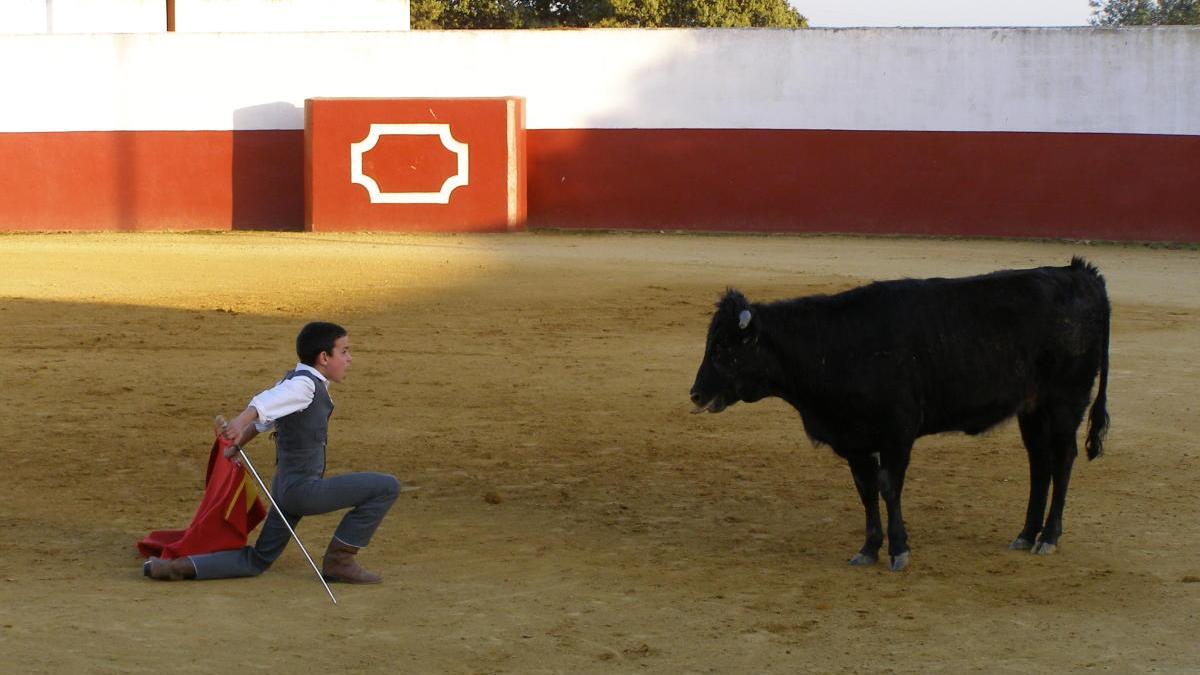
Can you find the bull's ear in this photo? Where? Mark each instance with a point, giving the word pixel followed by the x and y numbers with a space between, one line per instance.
pixel 749 332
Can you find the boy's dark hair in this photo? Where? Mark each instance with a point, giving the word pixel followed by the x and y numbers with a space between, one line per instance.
pixel 315 338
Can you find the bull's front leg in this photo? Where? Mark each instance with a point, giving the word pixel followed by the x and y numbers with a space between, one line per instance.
pixel 866 478
pixel 892 467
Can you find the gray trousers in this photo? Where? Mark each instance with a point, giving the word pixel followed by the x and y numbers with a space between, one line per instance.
pixel 367 495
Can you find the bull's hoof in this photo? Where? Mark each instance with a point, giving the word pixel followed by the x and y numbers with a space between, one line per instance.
pixel 899 562
pixel 1020 544
pixel 862 560
pixel 1044 548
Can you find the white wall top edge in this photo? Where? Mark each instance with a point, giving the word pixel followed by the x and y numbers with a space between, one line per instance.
pixel 277 16
pixel 950 79
pixel 150 16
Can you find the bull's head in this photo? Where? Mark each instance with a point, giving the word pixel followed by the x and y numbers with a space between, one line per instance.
pixel 735 366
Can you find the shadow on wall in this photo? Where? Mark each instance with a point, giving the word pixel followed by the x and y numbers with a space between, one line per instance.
pixel 267 178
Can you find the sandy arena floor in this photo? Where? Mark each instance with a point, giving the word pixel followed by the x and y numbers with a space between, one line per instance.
pixel 553 370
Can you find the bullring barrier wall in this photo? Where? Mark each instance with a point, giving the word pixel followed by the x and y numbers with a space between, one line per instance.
pixel 1080 132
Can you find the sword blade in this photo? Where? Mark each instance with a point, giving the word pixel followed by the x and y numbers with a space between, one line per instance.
pixel 263 487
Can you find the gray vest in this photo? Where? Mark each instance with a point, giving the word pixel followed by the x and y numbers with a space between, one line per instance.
pixel 301 436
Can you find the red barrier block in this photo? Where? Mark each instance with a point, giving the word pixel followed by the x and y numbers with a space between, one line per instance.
pixel 420 165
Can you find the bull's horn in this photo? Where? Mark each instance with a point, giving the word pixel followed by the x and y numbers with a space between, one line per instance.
pixel 744 319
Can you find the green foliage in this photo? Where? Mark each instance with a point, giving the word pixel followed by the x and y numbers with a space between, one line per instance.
pixel 450 14
pixel 703 14
pixel 1145 12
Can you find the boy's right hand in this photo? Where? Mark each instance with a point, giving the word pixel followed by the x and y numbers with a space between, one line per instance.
pixel 220 426
pixel 222 429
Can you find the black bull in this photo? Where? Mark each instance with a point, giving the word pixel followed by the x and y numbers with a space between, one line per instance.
pixel 872 369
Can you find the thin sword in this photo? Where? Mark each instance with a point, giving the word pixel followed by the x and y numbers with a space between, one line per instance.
pixel 263 486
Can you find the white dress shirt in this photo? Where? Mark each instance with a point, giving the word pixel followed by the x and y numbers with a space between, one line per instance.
pixel 285 398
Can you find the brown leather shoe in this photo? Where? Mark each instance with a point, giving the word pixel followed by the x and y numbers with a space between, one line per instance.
pixel 169 570
pixel 339 565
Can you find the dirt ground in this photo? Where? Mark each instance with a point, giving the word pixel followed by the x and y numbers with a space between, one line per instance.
pixel 552 371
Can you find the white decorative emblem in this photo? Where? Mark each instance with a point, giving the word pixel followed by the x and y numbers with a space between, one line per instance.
pixel 377 131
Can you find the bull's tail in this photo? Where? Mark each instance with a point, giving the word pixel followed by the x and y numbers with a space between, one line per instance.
pixel 1098 418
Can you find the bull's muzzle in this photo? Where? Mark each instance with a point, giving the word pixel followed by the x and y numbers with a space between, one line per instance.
pixel 712 405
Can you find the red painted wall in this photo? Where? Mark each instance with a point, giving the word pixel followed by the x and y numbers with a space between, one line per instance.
pixel 152 180
pixel 1093 186
pixel 409 164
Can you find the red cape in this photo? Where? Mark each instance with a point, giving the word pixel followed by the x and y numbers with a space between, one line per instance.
pixel 228 512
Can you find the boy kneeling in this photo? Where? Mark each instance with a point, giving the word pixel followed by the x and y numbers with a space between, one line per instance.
pixel 298 407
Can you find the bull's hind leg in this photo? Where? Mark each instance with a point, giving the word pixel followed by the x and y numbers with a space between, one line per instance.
pixel 1064 423
pixel 866 479
pixel 1035 432
pixel 1049 435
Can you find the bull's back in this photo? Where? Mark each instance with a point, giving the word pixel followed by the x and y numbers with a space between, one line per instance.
pixel 969 353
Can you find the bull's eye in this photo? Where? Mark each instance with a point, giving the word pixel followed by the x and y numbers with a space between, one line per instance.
pixel 725 357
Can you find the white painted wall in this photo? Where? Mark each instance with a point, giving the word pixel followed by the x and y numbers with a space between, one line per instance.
pixel 277 16
pixel 198 16
pixel 1054 80
pixel 82 16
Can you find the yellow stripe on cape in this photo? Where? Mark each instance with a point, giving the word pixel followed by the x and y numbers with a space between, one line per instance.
pixel 246 488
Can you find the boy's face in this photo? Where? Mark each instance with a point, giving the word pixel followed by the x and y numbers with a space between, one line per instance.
pixel 333 366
